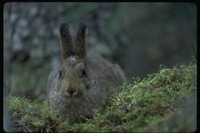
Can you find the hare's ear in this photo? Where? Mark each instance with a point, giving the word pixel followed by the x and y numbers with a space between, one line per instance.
pixel 80 40
pixel 65 41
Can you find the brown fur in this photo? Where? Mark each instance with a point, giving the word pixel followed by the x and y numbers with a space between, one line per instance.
pixel 84 81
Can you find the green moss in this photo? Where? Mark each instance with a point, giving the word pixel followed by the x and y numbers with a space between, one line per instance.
pixel 149 104
pixel 31 116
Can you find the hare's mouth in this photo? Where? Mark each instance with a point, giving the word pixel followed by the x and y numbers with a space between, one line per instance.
pixel 71 94
pixel 70 98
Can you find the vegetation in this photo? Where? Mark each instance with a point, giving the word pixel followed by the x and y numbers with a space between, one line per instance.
pixel 163 101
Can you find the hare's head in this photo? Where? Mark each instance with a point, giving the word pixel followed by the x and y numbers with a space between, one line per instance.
pixel 73 77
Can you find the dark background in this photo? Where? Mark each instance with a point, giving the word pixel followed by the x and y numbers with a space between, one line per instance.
pixel 138 36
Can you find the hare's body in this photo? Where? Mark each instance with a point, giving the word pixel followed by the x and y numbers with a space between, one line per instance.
pixel 84 81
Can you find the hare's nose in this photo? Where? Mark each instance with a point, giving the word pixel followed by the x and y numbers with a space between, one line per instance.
pixel 71 91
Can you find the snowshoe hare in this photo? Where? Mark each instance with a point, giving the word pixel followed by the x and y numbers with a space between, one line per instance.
pixel 84 81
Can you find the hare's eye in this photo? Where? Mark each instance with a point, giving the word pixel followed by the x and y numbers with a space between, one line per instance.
pixel 60 75
pixel 84 74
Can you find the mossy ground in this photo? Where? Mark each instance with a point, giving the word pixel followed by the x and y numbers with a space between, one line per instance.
pixel 163 101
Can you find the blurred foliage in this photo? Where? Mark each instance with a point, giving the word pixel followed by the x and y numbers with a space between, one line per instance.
pixel 163 102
